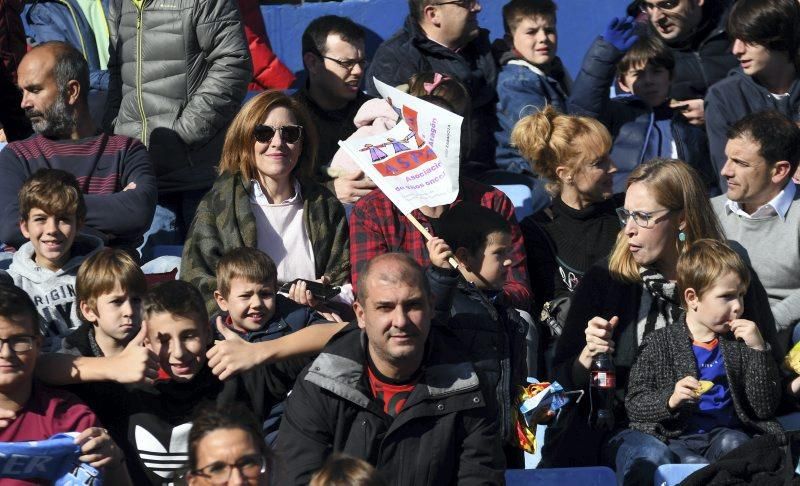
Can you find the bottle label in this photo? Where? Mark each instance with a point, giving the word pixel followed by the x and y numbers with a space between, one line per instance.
pixel 603 379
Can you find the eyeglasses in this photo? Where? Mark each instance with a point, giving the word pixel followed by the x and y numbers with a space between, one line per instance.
pixel 18 344
pixel 467 4
pixel 348 64
pixel 647 7
pixel 642 218
pixel 289 133
pixel 220 472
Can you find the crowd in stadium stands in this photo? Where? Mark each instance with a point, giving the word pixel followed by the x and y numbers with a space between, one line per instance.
pixel 204 288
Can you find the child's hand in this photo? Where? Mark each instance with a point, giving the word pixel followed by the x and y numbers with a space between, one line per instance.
pixel 98 448
pixel 621 33
pixel 136 363
pixel 747 331
pixel 686 390
pixel 231 356
pixel 439 252
pixel 692 110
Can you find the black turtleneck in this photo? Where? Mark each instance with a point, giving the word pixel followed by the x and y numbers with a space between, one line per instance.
pixel 562 243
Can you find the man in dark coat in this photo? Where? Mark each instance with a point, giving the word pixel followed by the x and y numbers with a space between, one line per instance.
pixel 393 391
pixel 695 30
pixel 444 37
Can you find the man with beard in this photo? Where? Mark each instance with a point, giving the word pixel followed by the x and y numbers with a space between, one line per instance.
pixel 695 31
pixel 333 55
pixel 114 171
pixel 444 37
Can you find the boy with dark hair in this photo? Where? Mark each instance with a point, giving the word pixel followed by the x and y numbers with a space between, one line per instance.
pixel 333 55
pixel 531 76
pixel 766 42
pixel 705 385
pixel 493 332
pixel 52 212
pixel 40 412
pixel 156 420
pixel 642 123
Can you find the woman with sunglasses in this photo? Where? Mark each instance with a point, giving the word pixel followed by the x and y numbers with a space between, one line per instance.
pixel 265 198
pixel 624 298
pixel 226 448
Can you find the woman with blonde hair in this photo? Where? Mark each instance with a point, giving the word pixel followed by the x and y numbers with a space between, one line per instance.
pixel 579 227
pixel 623 299
pixel 264 198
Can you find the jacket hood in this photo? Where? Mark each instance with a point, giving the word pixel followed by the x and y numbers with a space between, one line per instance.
pixel 25 265
pixel 340 367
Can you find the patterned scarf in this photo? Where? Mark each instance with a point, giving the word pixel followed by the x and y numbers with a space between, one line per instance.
pixel 659 306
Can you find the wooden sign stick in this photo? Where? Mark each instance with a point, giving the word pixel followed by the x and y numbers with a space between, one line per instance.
pixel 452 261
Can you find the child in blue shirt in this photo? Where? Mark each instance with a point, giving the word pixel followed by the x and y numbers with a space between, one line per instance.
pixel 707 384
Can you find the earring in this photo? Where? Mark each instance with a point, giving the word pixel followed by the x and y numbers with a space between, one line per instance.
pixel 681 236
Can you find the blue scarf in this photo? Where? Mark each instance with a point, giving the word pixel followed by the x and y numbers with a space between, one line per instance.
pixel 54 459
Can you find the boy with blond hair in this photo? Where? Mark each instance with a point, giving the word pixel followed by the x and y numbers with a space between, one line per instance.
pixel 248 298
pixel 52 212
pixel 706 384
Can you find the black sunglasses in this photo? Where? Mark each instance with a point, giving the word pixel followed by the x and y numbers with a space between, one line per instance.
pixel 289 133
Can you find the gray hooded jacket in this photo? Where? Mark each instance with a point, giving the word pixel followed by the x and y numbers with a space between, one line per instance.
pixel 53 293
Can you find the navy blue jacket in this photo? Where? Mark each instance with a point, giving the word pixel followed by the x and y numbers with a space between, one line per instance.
pixel 628 119
pixel 523 89
pixel 410 52
pixel 289 317
pixel 730 100
pixel 706 57
pixel 63 20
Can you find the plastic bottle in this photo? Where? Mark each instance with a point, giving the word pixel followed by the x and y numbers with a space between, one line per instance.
pixel 602 385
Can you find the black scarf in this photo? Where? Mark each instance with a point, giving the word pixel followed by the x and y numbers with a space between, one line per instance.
pixel 664 308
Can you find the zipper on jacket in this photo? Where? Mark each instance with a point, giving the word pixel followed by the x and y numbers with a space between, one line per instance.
pixel 139 101
pixel 77 28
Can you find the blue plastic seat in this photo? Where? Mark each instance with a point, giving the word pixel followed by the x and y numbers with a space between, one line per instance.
pixel 790 422
pixel 562 476
pixel 520 196
pixel 673 474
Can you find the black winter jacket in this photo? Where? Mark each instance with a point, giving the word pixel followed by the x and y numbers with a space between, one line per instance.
pixel 629 120
pixel 409 52
pixel 178 71
pixel 730 100
pixel 666 357
pixel 493 335
pixel 570 442
pixel 706 57
pixel 442 436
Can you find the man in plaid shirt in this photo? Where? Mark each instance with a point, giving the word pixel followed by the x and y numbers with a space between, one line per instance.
pixel 377 227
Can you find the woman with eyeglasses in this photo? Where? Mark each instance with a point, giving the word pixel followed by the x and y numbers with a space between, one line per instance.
pixel 579 228
pixel 623 299
pixel 264 198
pixel 226 448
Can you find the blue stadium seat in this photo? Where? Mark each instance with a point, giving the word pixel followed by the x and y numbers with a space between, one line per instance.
pixel 520 196
pixel 564 476
pixel 170 250
pixel 673 474
pixel 790 422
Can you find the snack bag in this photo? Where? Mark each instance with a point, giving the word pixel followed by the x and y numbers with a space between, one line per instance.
pixel 792 360
pixel 539 404
pixel 705 386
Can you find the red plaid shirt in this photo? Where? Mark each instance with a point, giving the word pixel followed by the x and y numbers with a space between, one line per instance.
pixel 377 227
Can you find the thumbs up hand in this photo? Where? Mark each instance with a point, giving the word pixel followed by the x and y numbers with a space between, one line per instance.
pixel 231 356
pixel 136 363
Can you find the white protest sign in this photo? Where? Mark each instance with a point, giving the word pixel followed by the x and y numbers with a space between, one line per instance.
pixel 415 163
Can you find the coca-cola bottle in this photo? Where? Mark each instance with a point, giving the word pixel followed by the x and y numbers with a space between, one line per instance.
pixel 602 384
